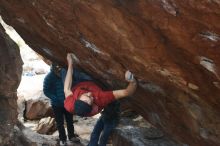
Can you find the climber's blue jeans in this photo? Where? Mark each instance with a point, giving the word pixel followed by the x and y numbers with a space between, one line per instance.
pixel 104 126
pixel 78 76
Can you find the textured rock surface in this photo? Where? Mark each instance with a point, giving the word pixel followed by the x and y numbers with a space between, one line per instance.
pixel 46 126
pixel 138 132
pixel 38 108
pixel 172 46
pixel 10 74
pixel 35 139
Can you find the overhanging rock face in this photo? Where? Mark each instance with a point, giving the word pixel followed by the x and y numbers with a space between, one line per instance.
pixel 172 46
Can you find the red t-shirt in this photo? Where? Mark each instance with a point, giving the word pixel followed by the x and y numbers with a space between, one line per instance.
pixel 101 98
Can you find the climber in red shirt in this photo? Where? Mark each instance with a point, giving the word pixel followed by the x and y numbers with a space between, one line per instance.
pixel 88 99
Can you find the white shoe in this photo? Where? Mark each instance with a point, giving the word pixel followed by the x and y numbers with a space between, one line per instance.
pixel 63 143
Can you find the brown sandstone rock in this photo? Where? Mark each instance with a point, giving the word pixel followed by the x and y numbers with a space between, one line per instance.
pixel 172 46
pixel 10 75
pixel 38 108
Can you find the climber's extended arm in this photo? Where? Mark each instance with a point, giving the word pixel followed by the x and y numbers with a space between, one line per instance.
pixel 130 88
pixel 68 79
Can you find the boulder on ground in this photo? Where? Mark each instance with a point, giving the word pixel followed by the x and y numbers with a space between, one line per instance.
pixel 38 108
pixel 46 126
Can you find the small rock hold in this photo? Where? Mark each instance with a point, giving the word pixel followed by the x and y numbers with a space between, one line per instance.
pixel 193 86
